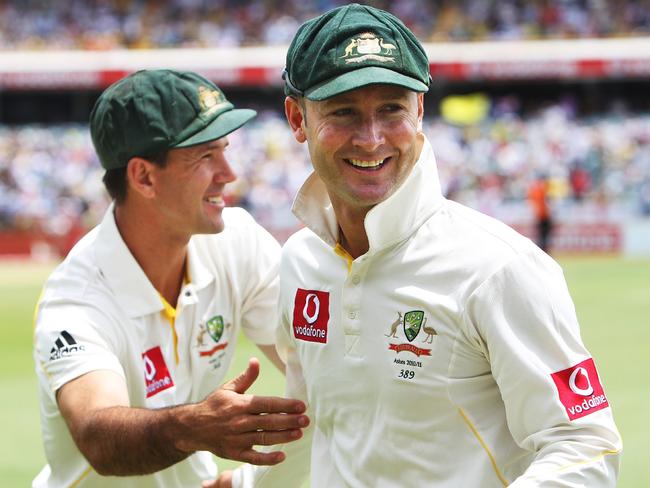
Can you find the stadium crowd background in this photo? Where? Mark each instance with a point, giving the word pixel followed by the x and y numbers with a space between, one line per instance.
pixel 598 162
pixel 111 24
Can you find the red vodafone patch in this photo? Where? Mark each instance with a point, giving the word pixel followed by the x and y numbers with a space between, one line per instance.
pixel 311 314
pixel 580 390
pixel 156 374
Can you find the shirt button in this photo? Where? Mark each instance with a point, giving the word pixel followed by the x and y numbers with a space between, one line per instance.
pixel 352 315
pixel 188 293
pixel 356 280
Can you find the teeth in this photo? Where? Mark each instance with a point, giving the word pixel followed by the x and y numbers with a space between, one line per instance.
pixel 365 164
pixel 215 200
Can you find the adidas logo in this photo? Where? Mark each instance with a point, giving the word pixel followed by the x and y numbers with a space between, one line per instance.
pixel 64 345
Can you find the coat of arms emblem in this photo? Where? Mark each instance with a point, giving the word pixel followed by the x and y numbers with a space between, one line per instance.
pixel 367 46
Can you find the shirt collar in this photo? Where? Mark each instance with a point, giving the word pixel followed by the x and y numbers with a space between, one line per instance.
pixel 133 290
pixel 198 275
pixel 389 222
pixel 127 280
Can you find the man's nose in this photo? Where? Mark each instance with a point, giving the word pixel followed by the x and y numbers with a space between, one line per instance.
pixel 368 135
pixel 224 172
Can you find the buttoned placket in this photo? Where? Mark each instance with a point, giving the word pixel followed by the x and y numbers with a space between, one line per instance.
pixel 351 314
pixel 185 325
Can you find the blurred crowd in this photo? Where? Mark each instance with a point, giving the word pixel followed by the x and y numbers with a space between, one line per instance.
pixel 50 178
pixel 111 24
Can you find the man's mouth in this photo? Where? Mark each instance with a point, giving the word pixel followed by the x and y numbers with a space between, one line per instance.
pixel 366 164
pixel 215 200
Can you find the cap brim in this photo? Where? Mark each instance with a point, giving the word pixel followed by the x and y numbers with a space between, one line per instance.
pixel 221 126
pixel 372 75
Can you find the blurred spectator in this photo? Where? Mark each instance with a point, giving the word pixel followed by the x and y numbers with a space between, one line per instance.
pixel 48 180
pixel 111 24
pixel 538 196
pixel 579 180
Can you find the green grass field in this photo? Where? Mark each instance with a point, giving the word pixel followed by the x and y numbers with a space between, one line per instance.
pixel 612 297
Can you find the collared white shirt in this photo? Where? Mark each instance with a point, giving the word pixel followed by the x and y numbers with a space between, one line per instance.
pixel 98 311
pixel 448 355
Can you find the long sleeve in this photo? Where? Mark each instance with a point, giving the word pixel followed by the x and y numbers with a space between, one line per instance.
pixel 555 405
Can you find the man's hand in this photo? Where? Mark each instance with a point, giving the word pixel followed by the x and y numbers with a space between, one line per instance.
pixel 229 422
pixel 223 481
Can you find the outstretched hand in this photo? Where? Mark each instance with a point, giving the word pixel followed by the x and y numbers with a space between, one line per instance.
pixel 230 422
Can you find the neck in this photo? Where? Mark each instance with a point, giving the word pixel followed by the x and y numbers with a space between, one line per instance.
pixel 161 256
pixel 352 231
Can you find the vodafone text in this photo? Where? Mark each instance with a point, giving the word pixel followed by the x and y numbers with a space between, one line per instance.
pixel 310 331
pixel 587 404
pixel 156 385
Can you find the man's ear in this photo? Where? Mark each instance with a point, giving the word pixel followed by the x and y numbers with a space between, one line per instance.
pixel 140 176
pixel 296 118
pixel 420 110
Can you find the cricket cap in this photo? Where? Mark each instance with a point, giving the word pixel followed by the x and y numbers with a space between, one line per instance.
pixel 151 111
pixel 350 47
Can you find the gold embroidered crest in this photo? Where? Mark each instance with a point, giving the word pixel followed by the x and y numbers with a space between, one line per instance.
pixel 368 46
pixel 210 100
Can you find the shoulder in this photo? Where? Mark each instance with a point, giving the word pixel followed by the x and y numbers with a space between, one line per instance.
pixel 76 290
pixel 240 228
pixel 242 241
pixel 301 239
pixel 77 274
pixel 476 246
pixel 304 244
pixel 481 235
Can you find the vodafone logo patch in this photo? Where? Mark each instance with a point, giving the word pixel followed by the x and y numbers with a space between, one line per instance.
pixel 156 374
pixel 580 390
pixel 311 314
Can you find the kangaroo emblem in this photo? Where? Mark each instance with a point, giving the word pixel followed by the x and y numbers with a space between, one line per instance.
pixel 430 331
pixel 387 46
pixel 395 325
pixel 201 334
pixel 350 47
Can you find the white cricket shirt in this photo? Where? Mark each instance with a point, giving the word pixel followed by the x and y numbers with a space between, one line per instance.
pixel 449 355
pixel 99 311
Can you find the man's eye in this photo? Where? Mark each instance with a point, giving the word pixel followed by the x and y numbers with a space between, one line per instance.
pixel 342 112
pixel 392 108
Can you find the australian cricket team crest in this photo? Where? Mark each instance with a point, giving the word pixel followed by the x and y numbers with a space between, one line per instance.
pixel 368 46
pixel 215 327
pixel 412 323
pixel 211 100
pixel 212 338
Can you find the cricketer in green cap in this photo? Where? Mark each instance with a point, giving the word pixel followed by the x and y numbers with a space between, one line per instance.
pixel 350 47
pixel 154 299
pixel 151 111
pixel 393 296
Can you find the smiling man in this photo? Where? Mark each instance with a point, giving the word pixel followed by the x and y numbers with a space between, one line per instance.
pixel 136 329
pixel 434 345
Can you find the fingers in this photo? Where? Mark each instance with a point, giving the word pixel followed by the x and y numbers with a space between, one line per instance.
pixel 266 404
pixel 252 456
pixel 270 438
pixel 244 381
pixel 270 422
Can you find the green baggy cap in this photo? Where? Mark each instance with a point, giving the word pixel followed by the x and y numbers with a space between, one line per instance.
pixel 151 111
pixel 350 47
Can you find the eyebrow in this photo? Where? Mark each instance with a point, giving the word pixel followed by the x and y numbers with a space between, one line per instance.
pixel 387 96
